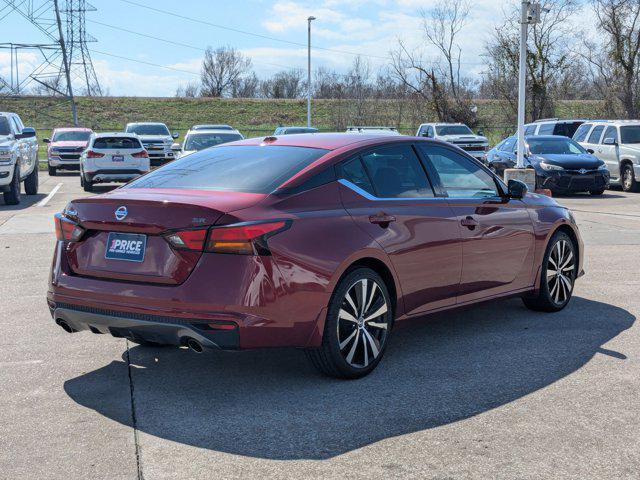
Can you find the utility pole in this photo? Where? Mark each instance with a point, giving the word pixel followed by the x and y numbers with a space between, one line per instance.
pixel 529 15
pixel 309 20
pixel 65 62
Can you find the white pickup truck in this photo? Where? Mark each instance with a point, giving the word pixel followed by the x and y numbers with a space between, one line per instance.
pixel 18 158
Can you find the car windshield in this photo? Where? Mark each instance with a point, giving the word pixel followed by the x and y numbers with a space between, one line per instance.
pixel 153 129
pixel 243 168
pixel 72 136
pixel 630 134
pixel 296 130
pixel 557 146
pixel 200 141
pixel 453 130
pixel 4 126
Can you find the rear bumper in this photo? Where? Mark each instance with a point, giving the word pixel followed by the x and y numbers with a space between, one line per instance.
pixel 151 328
pixel 100 176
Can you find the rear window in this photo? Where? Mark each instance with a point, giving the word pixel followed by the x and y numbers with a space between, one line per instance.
pixel 566 129
pixel 546 129
pixel 244 168
pixel 200 141
pixel 630 134
pixel 109 143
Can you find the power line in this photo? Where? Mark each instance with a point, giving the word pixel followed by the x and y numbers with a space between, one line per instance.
pixel 167 67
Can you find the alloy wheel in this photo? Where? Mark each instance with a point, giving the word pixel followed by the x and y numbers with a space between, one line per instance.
pixel 363 323
pixel 627 178
pixel 560 271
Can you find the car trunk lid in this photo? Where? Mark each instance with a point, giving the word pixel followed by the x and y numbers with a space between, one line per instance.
pixel 143 216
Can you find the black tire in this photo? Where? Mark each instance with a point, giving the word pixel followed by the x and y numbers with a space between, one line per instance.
pixel 12 197
pixel 342 353
pixel 596 192
pixel 53 171
pixel 555 290
pixel 31 182
pixel 87 185
pixel 628 178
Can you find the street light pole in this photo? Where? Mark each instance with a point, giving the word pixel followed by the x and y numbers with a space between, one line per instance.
pixel 522 76
pixel 309 20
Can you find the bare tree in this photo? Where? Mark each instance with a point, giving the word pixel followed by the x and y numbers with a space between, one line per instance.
pixel 246 86
pixel 220 69
pixel 190 90
pixel 285 84
pixel 439 82
pixel 549 57
pixel 616 61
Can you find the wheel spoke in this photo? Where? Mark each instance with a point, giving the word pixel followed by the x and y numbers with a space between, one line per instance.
pixel 567 283
pixel 553 262
pixel 373 294
pixel 350 302
pixel 372 342
pixel 363 295
pixel 551 274
pixel 567 261
pixel 366 353
pixel 554 288
pixel 380 311
pixel 353 348
pixel 377 325
pixel 348 339
pixel 344 315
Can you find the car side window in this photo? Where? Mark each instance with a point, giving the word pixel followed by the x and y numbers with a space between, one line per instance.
pixel 353 171
pixel 396 172
pixel 508 144
pixel 546 129
pixel 610 132
pixel 530 130
pixel 595 134
pixel 582 132
pixel 459 176
pixel 430 132
pixel 16 125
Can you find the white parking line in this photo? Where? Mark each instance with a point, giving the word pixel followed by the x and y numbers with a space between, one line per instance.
pixel 46 199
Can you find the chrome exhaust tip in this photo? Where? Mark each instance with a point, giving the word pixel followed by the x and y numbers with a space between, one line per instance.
pixel 194 345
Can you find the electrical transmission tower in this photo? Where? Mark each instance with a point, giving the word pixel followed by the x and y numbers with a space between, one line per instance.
pixel 65 62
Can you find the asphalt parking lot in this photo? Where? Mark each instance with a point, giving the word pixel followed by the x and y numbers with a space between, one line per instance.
pixel 496 391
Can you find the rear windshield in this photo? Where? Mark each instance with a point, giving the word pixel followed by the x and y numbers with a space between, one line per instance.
pixel 557 146
pixel 158 129
pixel 630 134
pixel 4 126
pixel 109 143
pixel 566 129
pixel 71 136
pixel 453 130
pixel 246 168
pixel 200 141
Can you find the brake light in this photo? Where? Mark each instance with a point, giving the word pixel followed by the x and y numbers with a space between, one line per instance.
pixel 245 239
pixel 142 154
pixel 187 239
pixel 92 154
pixel 67 230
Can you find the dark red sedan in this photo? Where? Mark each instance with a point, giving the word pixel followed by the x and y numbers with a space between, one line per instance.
pixel 314 241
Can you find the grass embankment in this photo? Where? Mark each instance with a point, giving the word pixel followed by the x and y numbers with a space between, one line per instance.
pixel 254 117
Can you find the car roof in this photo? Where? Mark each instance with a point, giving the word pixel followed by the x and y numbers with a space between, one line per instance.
pixel 212 126
pixel 114 134
pixel 546 137
pixel 146 123
pixel 213 130
pixel 326 141
pixel 72 129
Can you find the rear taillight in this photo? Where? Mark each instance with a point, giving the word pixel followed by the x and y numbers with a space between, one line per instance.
pixel 92 154
pixel 142 154
pixel 241 238
pixel 246 239
pixel 187 239
pixel 67 230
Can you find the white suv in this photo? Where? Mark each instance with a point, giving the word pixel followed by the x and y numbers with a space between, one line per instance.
pixel 617 144
pixel 156 139
pixel 18 158
pixel 459 135
pixel 112 157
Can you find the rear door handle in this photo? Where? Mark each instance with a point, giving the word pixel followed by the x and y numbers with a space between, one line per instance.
pixel 469 222
pixel 382 219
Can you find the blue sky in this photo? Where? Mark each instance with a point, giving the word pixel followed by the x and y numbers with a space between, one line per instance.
pixel 371 28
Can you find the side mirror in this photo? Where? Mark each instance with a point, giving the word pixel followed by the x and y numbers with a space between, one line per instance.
pixel 175 135
pixel 481 133
pixel 609 141
pixel 517 189
pixel 176 147
pixel 27 132
pixel 46 140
